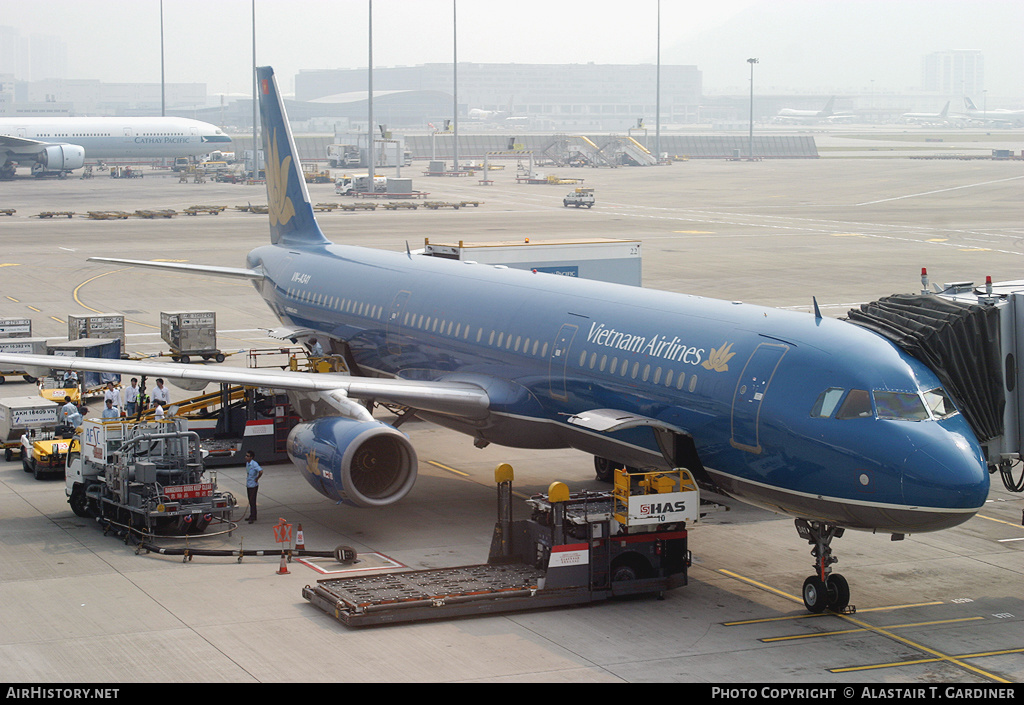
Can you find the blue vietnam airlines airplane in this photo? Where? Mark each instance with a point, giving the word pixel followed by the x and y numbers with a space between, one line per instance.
pixel 811 417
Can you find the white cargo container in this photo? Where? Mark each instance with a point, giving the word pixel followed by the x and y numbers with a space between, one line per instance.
pixel 21 346
pixel 17 414
pixel 15 327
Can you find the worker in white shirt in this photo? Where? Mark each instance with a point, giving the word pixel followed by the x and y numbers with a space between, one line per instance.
pixel 161 393
pixel 131 397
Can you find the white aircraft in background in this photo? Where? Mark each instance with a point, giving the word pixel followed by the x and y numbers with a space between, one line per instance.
pixel 496 115
pixel 998 115
pixel 793 115
pixel 55 146
pixel 939 118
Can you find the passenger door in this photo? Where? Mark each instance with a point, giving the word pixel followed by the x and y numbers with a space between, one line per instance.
pixel 750 393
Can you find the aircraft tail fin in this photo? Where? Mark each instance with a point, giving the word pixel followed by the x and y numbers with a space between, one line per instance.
pixel 292 222
pixel 827 110
pixel 945 110
pixel 969 103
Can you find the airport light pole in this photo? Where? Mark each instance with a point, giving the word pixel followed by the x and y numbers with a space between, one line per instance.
pixel 255 98
pixel 751 138
pixel 163 97
pixel 455 86
pixel 371 170
pixel 657 94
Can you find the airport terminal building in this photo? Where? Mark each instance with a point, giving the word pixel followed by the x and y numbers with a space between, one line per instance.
pixel 547 96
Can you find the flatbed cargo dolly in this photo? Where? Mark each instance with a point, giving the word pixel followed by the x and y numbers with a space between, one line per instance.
pixel 574 549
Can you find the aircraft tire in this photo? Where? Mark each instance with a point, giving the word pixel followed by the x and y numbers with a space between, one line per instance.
pixel 815 594
pixel 838 592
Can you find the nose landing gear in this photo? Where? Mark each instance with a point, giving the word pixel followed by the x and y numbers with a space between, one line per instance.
pixel 825 589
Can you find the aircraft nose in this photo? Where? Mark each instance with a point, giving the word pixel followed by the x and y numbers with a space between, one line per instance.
pixel 949 475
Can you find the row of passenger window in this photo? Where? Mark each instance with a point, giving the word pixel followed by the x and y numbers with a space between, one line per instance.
pixel 515 343
pixel 358 308
pixel 905 406
pixel 614 367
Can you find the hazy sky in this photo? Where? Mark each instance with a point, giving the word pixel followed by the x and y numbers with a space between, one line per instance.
pixel 802 45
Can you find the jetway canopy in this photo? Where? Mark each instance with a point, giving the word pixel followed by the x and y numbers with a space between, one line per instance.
pixel 959 341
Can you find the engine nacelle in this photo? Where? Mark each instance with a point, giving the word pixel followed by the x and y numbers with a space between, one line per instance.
pixel 359 463
pixel 61 157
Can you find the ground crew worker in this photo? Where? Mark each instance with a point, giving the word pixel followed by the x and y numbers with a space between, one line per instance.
pixel 111 412
pixel 253 473
pixel 68 409
pixel 131 397
pixel 161 394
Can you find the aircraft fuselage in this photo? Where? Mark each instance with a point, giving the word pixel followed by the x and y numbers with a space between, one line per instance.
pixel 743 381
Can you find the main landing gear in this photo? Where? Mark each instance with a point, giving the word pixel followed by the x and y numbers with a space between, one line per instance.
pixel 825 589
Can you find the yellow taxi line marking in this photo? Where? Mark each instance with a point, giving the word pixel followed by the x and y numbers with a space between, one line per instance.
pixel 882 631
pixel 445 467
pixel 793 637
pixel 74 295
pixel 869 667
pixel 1001 521
pixel 33 308
pixel 11 298
pixel 468 476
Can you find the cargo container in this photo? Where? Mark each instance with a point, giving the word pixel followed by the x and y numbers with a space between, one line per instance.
pixel 31 346
pixel 190 333
pixel 15 327
pixel 96 325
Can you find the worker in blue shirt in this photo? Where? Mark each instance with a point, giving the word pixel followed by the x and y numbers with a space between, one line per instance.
pixel 253 473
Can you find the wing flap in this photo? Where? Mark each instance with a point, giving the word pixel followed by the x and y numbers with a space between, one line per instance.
pixel 451 398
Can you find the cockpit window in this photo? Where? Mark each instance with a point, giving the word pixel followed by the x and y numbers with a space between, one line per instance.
pixel 939 403
pixel 827 402
pixel 900 405
pixel 857 405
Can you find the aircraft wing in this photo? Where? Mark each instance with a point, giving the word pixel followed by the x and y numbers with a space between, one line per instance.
pixel 205 270
pixel 21 144
pixel 452 398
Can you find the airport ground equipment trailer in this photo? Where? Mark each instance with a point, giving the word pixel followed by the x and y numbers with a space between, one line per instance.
pixel 576 548
pixel 146 476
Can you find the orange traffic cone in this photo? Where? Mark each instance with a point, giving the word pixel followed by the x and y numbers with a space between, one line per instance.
pixel 283 570
pixel 300 542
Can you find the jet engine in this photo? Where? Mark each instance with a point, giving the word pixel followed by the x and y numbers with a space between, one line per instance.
pixel 61 157
pixel 358 463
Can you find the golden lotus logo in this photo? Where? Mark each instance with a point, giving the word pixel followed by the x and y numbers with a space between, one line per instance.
pixel 718 360
pixel 313 463
pixel 281 209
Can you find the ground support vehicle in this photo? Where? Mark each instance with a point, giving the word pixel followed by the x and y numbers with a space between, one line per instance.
pixel 581 197
pixel 44 451
pixel 20 416
pixel 574 549
pixel 147 477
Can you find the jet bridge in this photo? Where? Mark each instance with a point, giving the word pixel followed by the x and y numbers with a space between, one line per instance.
pixel 972 338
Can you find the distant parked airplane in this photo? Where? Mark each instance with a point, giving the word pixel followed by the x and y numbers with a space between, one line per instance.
pixel 59 145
